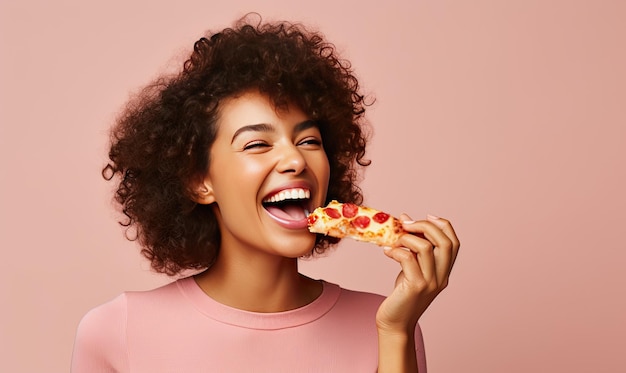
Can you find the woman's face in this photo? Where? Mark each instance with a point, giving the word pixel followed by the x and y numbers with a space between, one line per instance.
pixel 267 170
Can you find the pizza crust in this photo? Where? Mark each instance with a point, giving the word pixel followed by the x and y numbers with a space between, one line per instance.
pixel 357 222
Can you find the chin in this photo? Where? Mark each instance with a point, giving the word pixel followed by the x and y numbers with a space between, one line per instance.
pixel 298 247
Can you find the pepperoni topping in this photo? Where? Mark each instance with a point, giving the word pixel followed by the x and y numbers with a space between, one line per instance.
pixel 380 217
pixel 349 210
pixel 361 222
pixel 312 219
pixel 333 213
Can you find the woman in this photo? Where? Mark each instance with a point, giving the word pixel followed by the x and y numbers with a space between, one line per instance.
pixel 258 111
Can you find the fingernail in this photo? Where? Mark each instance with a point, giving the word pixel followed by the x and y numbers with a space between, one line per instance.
pixel 408 221
pixel 386 248
pixel 436 220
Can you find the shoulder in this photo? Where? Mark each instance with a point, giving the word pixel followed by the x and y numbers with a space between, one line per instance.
pixel 115 311
pixel 101 337
pixel 102 317
pixel 100 342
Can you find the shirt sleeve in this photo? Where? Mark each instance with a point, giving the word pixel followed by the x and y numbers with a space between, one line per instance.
pixel 100 344
pixel 420 352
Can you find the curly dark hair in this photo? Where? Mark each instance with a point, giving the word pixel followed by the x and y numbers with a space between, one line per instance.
pixel 160 143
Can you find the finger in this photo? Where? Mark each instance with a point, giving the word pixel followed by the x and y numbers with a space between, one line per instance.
pixel 422 250
pixel 447 228
pixel 429 231
pixel 408 262
pixel 441 247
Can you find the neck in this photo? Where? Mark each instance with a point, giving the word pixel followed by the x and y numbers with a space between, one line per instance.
pixel 260 283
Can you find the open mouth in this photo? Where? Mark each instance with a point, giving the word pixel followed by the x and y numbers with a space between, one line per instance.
pixel 289 205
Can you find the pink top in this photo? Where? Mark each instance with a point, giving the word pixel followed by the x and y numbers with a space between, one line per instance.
pixel 178 328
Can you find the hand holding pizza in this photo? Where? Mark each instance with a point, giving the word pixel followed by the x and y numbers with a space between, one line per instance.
pixel 426 253
pixel 425 249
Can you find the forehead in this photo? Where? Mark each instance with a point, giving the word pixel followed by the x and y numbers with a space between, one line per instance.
pixel 252 107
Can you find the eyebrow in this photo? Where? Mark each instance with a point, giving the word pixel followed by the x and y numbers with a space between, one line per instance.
pixel 265 127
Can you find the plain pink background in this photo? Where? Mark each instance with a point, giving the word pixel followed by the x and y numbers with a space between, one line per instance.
pixel 507 117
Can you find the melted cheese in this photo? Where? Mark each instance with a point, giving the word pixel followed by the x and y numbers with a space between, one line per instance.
pixel 383 234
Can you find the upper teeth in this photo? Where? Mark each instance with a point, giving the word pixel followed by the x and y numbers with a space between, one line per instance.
pixel 296 193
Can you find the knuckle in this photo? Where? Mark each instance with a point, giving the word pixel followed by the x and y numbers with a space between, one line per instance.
pixel 432 287
pixel 421 287
pixel 455 242
pixel 404 255
pixel 425 246
pixel 444 284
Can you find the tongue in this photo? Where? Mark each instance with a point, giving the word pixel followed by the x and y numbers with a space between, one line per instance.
pixel 288 212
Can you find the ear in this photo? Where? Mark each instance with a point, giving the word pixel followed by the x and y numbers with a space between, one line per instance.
pixel 203 193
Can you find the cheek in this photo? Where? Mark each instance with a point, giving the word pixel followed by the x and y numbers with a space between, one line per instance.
pixel 229 174
pixel 236 186
pixel 323 171
pixel 252 169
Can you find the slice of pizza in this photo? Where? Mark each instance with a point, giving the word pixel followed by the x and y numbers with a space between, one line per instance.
pixel 358 222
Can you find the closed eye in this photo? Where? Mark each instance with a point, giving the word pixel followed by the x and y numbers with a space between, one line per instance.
pixel 311 141
pixel 255 145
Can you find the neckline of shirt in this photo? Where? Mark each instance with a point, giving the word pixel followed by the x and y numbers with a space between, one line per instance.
pixel 259 320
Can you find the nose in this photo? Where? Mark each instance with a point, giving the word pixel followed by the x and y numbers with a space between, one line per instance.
pixel 290 160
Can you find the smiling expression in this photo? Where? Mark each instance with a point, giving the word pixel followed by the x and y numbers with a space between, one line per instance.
pixel 267 170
